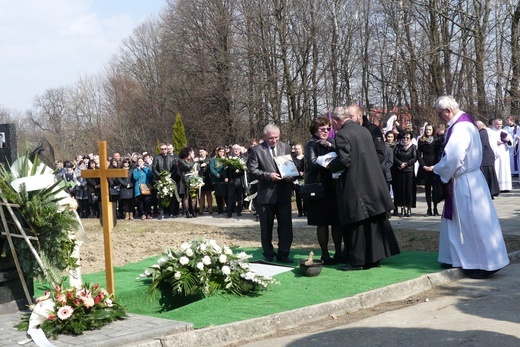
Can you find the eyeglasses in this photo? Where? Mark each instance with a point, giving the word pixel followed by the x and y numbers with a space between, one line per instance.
pixel 163 149
pixel 324 129
pixel 407 137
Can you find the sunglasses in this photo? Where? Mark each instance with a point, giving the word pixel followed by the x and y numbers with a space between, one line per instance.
pixel 324 129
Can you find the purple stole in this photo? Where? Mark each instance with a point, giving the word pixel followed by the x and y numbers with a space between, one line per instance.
pixel 448 187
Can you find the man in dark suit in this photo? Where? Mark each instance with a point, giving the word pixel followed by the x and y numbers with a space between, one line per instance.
pixel 274 194
pixel 362 194
pixel 163 162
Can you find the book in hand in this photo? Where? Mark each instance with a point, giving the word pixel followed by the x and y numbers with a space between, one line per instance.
pixel 286 166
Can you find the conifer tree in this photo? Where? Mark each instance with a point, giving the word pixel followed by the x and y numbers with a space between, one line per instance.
pixel 179 135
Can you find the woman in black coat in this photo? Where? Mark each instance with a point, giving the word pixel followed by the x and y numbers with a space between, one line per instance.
pixel 426 149
pixel 94 190
pixel 322 212
pixel 405 156
pixel 186 165
pixel 126 189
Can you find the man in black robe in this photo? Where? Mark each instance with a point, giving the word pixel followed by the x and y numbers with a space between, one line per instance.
pixel 488 161
pixel 363 198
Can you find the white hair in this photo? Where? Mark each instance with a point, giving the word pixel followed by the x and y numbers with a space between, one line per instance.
pixel 446 102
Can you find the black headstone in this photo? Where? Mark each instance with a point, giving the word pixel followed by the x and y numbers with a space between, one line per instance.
pixel 8 144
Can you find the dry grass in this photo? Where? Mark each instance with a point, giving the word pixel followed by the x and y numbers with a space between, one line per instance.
pixel 133 241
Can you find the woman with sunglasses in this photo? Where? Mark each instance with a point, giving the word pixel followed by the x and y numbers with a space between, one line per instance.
pixel 322 212
pixel 405 156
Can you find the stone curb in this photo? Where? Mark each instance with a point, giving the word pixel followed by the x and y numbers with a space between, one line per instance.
pixel 226 334
pixel 234 333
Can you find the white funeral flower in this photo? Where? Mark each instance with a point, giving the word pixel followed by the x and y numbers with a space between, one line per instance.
pixel 206 260
pixel 185 246
pixel 177 275
pixel 184 260
pixel 222 259
pixel 189 252
pixel 226 270
pixel 161 261
pixel 202 247
pixel 242 255
pixel 228 250
pixel 200 266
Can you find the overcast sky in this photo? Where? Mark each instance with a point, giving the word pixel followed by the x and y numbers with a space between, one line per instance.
pixel 51 43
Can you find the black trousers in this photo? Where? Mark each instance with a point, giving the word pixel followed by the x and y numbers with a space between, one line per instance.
pixel 266 215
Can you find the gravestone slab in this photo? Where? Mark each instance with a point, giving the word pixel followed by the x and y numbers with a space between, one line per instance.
pixel 8 144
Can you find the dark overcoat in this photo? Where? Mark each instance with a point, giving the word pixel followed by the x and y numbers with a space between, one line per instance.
pixel 362 191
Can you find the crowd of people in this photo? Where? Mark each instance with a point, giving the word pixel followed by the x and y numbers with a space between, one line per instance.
pixel 356 173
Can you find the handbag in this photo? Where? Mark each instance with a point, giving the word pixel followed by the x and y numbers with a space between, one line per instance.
pixel 439 192
pixel 114 191
pixel 145 188
pixel 312 191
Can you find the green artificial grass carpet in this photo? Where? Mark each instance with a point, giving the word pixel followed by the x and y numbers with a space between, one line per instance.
pixel 294 290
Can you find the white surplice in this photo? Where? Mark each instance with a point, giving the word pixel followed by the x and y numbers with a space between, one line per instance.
pixel 502 164
pixel 473 238
pixel 514 155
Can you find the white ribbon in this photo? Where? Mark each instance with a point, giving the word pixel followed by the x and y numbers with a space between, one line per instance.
pixel 40 314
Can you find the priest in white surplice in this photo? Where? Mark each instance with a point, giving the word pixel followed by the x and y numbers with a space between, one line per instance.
pixel 514 156
pixel 470 235
pixel 502 164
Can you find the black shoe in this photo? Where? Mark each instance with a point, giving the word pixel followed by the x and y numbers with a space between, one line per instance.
pixel 284 259
pixel 446 266
pixel 402 212
pixel 371 265
pixel 435 212
pixel 329 261
pixel 396 212
pixel 349 267
pixel 268 259
pixel 408 212
pixel 188 215
pixel 429 212
pixel 479 274
pixel 256 218
pixel 300 214
pixel 340 259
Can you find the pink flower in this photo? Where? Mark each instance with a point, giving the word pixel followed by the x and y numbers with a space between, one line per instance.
pixel 61 298
pixel 96 286
pixel 65 312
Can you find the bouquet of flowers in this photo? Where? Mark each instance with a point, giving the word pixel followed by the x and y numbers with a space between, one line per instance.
pixel 166 188
pixel 72 311
pixel 195 182
pixel 233 162
pixel 202 267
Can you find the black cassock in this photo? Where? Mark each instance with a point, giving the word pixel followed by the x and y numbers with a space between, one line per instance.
pixel 362 196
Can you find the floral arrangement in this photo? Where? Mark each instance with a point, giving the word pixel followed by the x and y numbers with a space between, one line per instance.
pixel 195 182
pixel 166 188
pixel 233 162
pixel 202 267
pixel 46 212
pixel 72 311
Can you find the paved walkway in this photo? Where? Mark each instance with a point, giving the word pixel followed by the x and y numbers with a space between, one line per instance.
pixel 154 332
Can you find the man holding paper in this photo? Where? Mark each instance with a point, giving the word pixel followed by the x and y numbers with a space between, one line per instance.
pixel 274 194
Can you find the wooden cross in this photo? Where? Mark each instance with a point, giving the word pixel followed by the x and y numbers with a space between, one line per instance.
pixel 107 214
